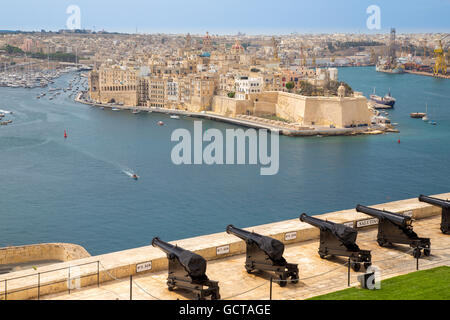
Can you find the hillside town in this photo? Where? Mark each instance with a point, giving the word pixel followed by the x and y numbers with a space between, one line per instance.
pixel 286 81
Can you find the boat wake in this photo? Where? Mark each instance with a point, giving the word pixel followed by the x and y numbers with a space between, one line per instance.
pixel 129 173
pixel 123 169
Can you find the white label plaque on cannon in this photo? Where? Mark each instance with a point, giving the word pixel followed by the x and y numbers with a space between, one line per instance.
pixel 290 236
pixel 145 266
pixel 349 224
pixel 366 223
pixel 408 214
pixel 222 250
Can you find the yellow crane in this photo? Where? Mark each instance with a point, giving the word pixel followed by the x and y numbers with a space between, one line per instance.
pixel 440 64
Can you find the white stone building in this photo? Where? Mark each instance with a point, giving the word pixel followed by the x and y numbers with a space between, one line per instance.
pixel 246 86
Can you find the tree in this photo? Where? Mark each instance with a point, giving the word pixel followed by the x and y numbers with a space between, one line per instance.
pixel 306 88
pixel 13 50
pixel 290 86
pixel 231 95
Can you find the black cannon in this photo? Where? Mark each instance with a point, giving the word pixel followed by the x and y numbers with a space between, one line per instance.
pixel 397 228
pixel 266 254
pixel 339 240
pixel 187 270
pixel 445 205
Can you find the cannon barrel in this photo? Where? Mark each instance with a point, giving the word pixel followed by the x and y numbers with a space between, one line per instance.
pixel 398 219
pixel 435 201
pixel 167 247
pixel 194 264
pixel 243 234
pixel 272 247
pixel 346 235
pixel 321 224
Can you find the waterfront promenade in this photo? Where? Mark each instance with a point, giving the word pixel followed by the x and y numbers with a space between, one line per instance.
pixel 108 276
pixel 249 122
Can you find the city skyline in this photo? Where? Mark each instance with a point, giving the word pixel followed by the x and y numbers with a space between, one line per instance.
pixel 251 17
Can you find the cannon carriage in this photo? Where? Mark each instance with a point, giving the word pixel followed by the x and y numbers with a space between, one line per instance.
pixel 397 228
pixel 339 240
pixel 266 254
pixel 187 270
pixel 445 205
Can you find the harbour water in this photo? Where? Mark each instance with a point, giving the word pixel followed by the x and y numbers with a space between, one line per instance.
pixel 79 190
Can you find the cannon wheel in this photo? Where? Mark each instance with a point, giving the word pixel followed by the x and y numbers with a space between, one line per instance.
pixel 355 266
pixel 283 282
pixel 322 256
pixel 381 242
pixel 367 265
pixel 417 253
pixel 427 252
pixel 200 297
pixel 215 296
pixel 294 278
pixel 249 270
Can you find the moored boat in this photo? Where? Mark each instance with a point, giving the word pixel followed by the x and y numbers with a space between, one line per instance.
pixel 387 100
pixel 418 115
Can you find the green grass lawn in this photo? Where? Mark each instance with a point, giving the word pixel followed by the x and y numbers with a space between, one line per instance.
pixel 433 284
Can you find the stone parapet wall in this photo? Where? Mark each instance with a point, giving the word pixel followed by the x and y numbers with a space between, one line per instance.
pixel 211 247
pixel 40 252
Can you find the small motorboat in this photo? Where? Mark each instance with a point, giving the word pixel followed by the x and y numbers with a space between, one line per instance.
pixel 136 111
pixel 115 109
pixel 174 117
pixel 135 177
pixel 160 123
pixel 418 115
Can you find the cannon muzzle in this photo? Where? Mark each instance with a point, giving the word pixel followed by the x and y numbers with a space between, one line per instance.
pixel 395 218
pixel 435 201
pixel 194 264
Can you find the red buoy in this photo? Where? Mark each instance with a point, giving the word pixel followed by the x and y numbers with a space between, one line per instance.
pixel 399 141
pixel 65 134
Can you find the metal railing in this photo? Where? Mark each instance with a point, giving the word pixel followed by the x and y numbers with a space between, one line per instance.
pixel 5 292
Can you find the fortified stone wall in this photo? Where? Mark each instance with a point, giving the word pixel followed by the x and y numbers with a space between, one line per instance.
pixel 230 107
pixel 39 252
pixel 324 111
pixel 199 104
pixel 128 98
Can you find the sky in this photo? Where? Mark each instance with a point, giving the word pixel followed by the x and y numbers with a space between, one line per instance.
pixel 228 16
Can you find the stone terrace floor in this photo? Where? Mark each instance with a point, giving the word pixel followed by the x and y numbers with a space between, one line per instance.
pixel 317 276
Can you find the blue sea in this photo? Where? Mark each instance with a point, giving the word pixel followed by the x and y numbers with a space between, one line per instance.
pixel 79 190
